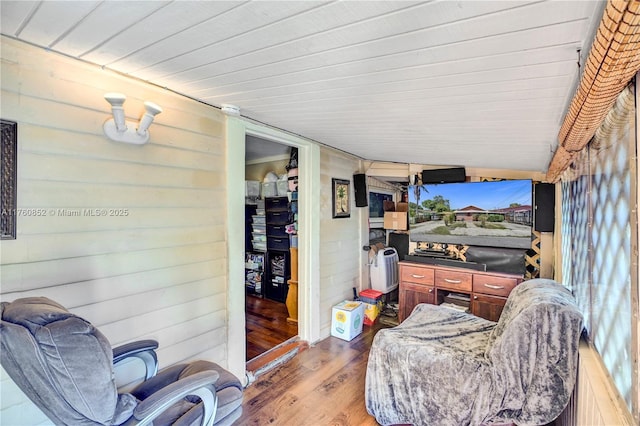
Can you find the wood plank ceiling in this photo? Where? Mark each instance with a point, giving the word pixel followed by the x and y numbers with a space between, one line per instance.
pixel 453 83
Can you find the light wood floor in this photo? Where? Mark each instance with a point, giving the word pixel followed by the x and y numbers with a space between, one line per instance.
pixel 322 385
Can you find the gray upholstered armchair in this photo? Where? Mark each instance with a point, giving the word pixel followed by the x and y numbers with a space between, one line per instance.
pixel 66 367
pixel 449 368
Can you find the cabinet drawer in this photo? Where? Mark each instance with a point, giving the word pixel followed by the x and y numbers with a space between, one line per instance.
pixel 277 231
pixel 278 218
pixel 415 274
pixel 453 280
pixel 496 286
pixel 276 203
pixel 277 243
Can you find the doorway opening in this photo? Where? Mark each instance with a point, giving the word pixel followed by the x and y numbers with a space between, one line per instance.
pixel 271 245
pixel 237 128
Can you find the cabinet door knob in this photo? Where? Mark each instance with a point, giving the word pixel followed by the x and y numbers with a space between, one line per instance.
pixel 430 290
pixel 452 281
pixel 475 297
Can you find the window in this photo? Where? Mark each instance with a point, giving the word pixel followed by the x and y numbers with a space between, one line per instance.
pixel 599 242
pixel 376 203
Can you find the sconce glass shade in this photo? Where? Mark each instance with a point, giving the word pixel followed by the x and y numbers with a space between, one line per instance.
pixel 117 100
pixel 147 118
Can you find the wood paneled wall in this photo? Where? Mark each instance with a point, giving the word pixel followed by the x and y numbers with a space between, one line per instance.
pixel 130 237
pixel 341 255
pixel 594 402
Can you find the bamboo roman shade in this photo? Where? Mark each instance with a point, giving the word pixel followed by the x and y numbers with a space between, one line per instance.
pixel 613 61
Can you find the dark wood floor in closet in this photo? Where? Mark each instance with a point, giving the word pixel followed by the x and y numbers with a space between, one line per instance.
pixel 266 325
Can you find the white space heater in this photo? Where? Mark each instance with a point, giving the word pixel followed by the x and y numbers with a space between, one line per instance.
pixel 384 270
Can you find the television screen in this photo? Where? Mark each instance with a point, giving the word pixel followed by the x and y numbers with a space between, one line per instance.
pixel 490 214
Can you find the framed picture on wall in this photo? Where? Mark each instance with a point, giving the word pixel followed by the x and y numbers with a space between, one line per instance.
pixel 341 198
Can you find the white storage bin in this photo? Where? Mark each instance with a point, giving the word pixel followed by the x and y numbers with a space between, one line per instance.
pixel 262 238
pixel 269 189
pixel 252 188
pixel 282 188
pixel 259 220
pixel 259 229
pixel 259 245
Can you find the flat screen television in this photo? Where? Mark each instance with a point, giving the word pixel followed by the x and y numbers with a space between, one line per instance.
pixel 488 214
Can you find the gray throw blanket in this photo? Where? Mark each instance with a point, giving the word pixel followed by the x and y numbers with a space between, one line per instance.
pixel 444 367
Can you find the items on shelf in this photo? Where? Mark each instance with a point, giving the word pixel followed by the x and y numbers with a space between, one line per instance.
pixel 459 299
pixel 259 228
pixel 255 247
pixel 254 272
pixel 455 307
pixel 272 185
pixel 251 191
pixel 273 229
pixel 278 219
pixel 278 266
pixel 292 170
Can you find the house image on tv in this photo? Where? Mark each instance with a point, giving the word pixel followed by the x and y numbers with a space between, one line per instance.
pixel 515 214
pixel 518 214
pixel 469 213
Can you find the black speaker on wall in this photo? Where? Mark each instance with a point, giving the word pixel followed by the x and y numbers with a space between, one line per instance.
pixel 400 242
pixel 456 174
pixel 544 206
pixel 360 189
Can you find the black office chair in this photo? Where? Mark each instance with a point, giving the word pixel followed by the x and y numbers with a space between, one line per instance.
pixel 66 367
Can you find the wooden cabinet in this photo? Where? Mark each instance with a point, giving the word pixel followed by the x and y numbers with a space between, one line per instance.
pixel 423 283
pixel 410 295
pixel 488 307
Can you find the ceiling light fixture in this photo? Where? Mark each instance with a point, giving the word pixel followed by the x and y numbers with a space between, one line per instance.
pixel 230 109
pixel 117 129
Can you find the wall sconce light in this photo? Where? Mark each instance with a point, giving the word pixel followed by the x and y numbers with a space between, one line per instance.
pixel 119 130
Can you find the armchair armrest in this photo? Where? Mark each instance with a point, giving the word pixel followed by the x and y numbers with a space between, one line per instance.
pixel 199 384
pixel 142 349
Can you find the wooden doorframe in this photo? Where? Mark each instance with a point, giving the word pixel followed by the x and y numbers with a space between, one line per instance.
pixel 308 230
